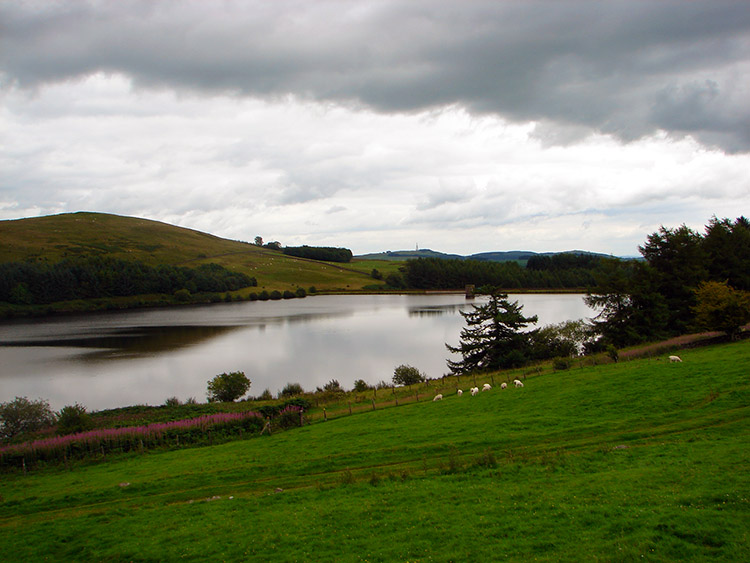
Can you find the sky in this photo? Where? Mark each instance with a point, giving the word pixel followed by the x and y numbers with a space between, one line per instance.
pixel 462 127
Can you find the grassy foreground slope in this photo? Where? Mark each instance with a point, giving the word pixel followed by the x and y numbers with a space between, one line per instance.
pixel 69 235
pixel 641 460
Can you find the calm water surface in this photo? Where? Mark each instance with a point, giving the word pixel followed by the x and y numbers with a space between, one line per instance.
pixel 143 357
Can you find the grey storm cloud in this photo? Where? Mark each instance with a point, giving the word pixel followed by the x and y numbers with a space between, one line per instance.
pixel 624 68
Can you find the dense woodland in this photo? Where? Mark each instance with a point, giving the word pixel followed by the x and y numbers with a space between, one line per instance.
pixel 30 283
pixel 324 253
pixel 687 281
pixel 561 271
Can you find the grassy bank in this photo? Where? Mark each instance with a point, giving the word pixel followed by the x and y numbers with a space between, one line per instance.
pixel 638 460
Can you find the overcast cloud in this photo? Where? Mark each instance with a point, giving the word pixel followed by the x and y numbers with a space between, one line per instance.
pixel 462 127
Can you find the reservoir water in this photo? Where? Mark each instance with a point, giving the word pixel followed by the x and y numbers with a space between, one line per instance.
pixel 115 359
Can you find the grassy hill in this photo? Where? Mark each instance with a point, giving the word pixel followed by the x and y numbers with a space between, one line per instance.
pixel 639 460
pixel 57 237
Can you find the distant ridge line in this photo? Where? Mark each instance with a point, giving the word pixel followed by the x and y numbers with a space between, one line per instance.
pixel 496 256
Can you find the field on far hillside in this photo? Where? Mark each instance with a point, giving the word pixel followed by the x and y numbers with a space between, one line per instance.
pixel 640 460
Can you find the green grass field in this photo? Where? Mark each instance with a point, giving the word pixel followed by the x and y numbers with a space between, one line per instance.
pixel 640 460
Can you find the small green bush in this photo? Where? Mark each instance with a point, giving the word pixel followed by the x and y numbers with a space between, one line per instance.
pixel 561 364
pixel 300 402
pixel 291 389
pixel 73 419
pixel 265 396
pixel 228 387
pixel 361 385
pixel 407 375
pixel 333 386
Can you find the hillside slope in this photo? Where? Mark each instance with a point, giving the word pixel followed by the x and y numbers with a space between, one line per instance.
pixel 57 237
pixel 617 462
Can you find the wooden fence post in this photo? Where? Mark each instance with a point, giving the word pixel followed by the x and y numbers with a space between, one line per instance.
pixel 350 407
pixel 373 404
pixel 325 416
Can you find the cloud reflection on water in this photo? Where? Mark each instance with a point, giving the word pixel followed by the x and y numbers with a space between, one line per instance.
pixel 142 357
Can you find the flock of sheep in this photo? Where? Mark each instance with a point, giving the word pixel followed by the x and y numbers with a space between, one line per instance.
pixel 516 382
pixel 475 390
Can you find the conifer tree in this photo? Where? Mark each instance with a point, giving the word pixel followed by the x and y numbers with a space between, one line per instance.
pixel 494 337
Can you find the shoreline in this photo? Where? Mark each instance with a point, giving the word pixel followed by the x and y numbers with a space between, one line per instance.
pixel 154 301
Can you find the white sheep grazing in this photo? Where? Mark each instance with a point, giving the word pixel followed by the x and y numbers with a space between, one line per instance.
pixel 459 392
pixel 438 397
pixel 518 383
pixel 503 385
pixel 486 387
pixel 674 359
pixel 474 391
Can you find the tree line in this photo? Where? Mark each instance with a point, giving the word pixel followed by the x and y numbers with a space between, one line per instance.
pixel 564 271
pixel 686 281
pixel 29 283
pixel 323 253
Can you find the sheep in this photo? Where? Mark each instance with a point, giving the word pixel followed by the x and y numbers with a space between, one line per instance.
pixel 486 387
pixel 674 359
pixel 459 392
pixel 438 397
pixel 518 383
pixel 474 391
pixel 503 385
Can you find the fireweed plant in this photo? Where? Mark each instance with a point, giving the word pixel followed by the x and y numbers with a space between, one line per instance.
pixel 132 438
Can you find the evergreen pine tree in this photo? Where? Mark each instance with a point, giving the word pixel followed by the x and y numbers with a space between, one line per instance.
pixel 493 338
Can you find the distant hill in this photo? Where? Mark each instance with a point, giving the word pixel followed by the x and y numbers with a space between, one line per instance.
pixel 520 256
pixel 54 238
pixel 401 255
pixel 503 256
